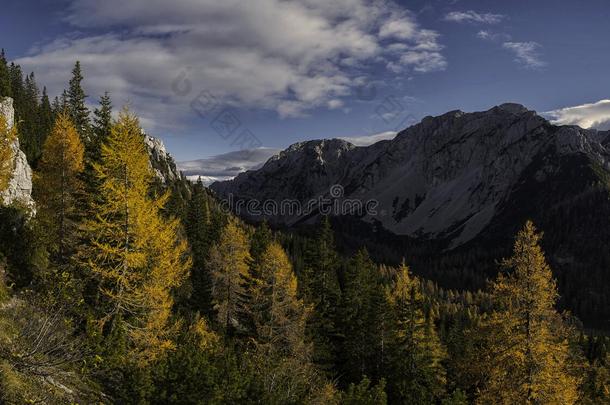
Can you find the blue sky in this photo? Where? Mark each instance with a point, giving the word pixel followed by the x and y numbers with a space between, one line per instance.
pixel 212 78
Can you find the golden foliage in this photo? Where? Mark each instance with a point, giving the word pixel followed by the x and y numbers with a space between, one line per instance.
pixel 57 182
pixel 137 255
pixel 228 265
pixel 278 314
pixel 528 359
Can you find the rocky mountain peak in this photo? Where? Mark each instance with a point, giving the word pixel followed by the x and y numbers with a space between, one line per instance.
pixel 446 177
pixel 513 108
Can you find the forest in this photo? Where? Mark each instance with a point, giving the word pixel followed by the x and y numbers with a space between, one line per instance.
pixel 122 288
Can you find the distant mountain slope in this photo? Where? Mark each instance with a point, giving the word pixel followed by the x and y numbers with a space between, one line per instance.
pixel 445 178
pixel 452 192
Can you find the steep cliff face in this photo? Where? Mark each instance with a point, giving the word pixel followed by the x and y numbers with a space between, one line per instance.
pixel 20 186
pixel 445 178
pixel 162 162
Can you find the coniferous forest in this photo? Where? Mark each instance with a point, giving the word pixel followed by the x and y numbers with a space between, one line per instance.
pixel 121 288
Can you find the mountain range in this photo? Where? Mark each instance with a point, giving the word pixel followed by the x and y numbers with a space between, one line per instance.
pixel 454 189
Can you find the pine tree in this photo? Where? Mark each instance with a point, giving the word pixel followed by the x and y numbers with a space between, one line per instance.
pixel 58 188
pixel 17 86
pixel 261 239
pixel 99 134
pixel 323 292
pixel 102 123
pixel 528 355
pixel 365 394
pixel 7 158
pixel 5 78
pixel 198 233
pixel 361 309
pixel 228 266
pixel 28 114
pixel 136 254
pixel 76 98
pixel 45 117
pixel 417 376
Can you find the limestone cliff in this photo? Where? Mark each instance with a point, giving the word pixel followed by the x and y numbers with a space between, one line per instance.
pixel 20 186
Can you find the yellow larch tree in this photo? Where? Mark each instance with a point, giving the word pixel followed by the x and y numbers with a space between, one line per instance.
pixel 137 255
pixel 58 186
pixel 417 374
pixel 278 314
pixel 283 356
pixel 528 356
pixel 7 158
pixel 228 266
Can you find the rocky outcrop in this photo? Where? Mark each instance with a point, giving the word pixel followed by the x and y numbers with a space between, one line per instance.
pixel 445 178
pixel 20 186
pixel 162 162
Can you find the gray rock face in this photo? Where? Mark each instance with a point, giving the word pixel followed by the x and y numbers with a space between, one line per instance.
pixel 20 186
pixel 161 161
pixel 445 177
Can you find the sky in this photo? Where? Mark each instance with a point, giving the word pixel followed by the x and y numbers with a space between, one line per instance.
pixel 226 84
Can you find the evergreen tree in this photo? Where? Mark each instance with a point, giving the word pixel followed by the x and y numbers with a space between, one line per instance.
pixel 7 158
pixel 99 134
pixel 261 239
pixel 102 124
pixel 198 231
pixel 28 114
pixel 45 117
pixel 323 292
pixel 365 394
pixel 17 86
pixel 5 78
pixel 528 356
pixel 136 254
pixel 228 266
pixel 361 309
pixel 417 376
pixel 75 98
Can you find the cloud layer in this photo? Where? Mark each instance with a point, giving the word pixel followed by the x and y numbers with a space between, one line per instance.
pixel 526 53
pixel 473 17
pixel 367 140
pixel 591 115
pixel 227 165
pixel 287 56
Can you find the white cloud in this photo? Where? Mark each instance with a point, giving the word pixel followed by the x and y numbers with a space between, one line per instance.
pixel 591 115
pixel 284 55
pixel 484 34
pixel 227 165
pixel 526 53
pixel 367 140
pixel 487 35
pixel 471 16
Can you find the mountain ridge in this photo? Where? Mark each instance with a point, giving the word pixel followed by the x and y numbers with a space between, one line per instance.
pixel 441 178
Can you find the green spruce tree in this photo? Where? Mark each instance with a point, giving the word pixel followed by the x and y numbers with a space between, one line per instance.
pixel 5 78
pixel 76 98
pixel 198 232
pixel 323 293
pixel 361 312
